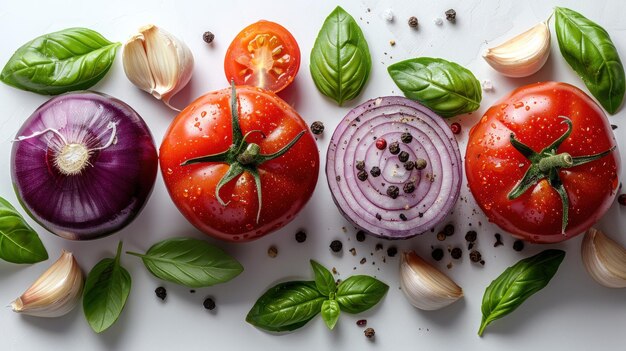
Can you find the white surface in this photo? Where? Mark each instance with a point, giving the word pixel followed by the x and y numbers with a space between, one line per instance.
pixel 572 313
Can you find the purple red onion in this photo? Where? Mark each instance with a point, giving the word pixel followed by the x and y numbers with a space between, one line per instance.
pixel 404 200
pixel 83 165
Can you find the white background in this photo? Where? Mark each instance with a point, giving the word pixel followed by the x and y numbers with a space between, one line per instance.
pixel 571 313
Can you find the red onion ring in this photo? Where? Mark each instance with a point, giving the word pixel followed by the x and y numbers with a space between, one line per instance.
pixel 366 203
pixel 83 165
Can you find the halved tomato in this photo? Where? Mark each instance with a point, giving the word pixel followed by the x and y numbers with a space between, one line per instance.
pixel 265 55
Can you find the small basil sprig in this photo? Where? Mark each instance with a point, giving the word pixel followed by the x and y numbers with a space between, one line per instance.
pixel 55 63
pixel 517 283
pixel 340 59
pixel 19 243
pixel 443 86
pixel 106 291
pixel 588 48
pixel 190 262
pixel 289 306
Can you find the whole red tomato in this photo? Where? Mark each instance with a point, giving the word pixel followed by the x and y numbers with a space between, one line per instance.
pixel 530 175
pixel 240 168
pixel 265 55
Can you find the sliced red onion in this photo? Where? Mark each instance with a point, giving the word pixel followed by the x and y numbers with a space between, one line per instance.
pixel 365 202
pixel 83 165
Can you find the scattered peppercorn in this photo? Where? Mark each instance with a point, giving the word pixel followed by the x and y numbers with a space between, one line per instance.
pixel 369 333
pixel 613 126
pixel 360 235
pixel 272 251
pixel 209 304
pixel 334 270
pixel 621 199
pixel 394 148
pixel 413 23
pixel 392 42
pixel 420 164
pixel 441 236
pixel 392 251
pixel 451 15
pixel 409 165
pixel 393 191
pixel 456 253
pixel 403 217
pixel 475 256
pixel 456 128
pixel 408 187
pixel 192 291
pixel 471 236
pixel 353 251
pixel 361 322
pixel 363 260
pixel 375 171
pixel 381 144
pixel 362 175
pixel 208 37
pixel 301 236
pixel 437 254
pixel 498 240
pixel 448 230
pixel 518 245
pixel 336 245
pixel 160 292
pixel 403 156
pixel 482 262
pixel 378 216
pixel 406 138
pixel 378 246
pixel 317 127
pixel 470 246
pixel 360 165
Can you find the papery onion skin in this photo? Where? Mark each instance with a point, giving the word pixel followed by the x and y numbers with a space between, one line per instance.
pixel 366 203
pixel 110 190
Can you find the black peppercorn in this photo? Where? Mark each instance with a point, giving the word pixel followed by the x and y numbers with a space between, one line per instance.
pixel 456 253
pixel 451 15
pixel 369 333
pixel 518 245
pixel 317 127
pixel 375 171
pixel 437 254
pixel 392 251
pixel 208 37
pixel 406 138
pixel 448 230
pixel 622 199
pixel 360 165
pixel 408 187
pixel 272 251
pixel 475 256
pixel 360 235
pixel 362 175
pixel 160 292
pixel 409 165
pixel 209 304
pixel 378 247
pixel 471 236
pixel 394 148
pixel 336 245
pixel 301 236
pixel 403 217
pixel 498 240
pixel 403 156
pixel 393 191
pixel 420 164
pixel 413 22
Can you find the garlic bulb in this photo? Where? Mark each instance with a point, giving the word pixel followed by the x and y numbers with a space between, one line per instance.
pixel 56 292
pixel 523 54
pixel 424 285
pixel 604 259
pixel 157 62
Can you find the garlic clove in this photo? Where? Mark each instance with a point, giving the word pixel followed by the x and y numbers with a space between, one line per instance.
pixel 56 292
pixel 425 286
pixel 604 259
pixel 523 54
pixel 157 62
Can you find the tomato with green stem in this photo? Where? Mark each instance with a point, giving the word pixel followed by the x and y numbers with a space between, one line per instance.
pixel 543 163
pixel 239 163
pixel 265 55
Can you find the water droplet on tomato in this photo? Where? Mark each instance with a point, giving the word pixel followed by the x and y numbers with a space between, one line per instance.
pixel 203 114
pixel 518 104
pixel 185 193
pixel 170 171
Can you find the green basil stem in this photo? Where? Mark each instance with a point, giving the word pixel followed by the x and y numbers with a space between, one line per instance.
pixel 241 155
pixel 546 165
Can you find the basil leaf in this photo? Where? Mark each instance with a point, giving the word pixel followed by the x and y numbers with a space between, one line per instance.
pixel 443 86
pixel 286 306
pixel 324 280
pixel 55 63
pixel 19 243
pixel 588 48
pixel 330 313
pixel 517 283
pixel 190 262
pixel 360 293
pixel 106 290
pixel 340 59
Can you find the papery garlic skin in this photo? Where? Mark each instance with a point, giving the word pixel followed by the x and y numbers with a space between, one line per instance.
pixel 522 55
pixel 424 285
pixel 56 292
pixel 157 62
pixel 604 259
